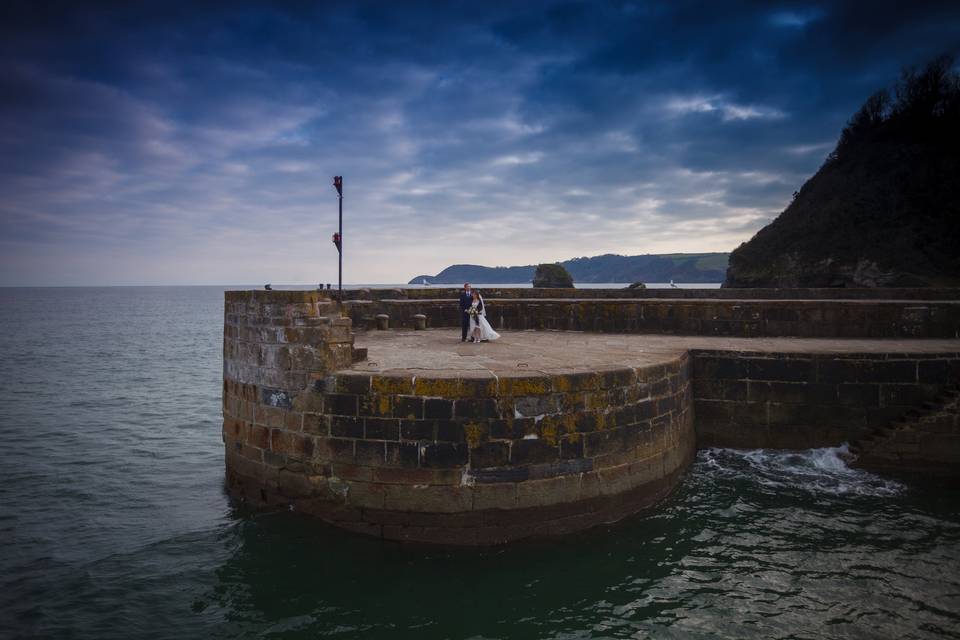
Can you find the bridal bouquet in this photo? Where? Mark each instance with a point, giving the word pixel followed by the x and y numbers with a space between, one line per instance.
pixel 473 312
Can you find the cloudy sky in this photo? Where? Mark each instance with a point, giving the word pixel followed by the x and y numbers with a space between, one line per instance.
pixel 193 143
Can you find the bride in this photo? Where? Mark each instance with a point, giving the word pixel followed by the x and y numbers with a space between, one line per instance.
pixel 480 329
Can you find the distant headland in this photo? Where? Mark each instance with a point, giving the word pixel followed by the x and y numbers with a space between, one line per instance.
pixel 679 267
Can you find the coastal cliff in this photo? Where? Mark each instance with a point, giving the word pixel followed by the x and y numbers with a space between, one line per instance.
pixel 884 209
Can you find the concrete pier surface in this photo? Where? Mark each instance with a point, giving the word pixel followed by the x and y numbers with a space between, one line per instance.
pixel 439 352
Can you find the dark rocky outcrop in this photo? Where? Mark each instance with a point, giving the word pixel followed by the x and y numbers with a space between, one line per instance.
pixel 552 276
pixel 884 209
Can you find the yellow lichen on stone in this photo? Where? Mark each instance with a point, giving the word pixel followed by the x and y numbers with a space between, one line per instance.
pixel 561 383
pixel 476 433
pixel 525 386
pixel 392 385
pixel 548 430
pixel 384 404
pixel 437 387
pixel 601 421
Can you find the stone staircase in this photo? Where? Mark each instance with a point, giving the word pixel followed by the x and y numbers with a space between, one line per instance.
pixel 925 440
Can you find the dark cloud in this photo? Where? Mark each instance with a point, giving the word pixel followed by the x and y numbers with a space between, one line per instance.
pixel 179 142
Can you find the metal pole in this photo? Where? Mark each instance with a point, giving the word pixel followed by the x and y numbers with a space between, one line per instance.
pixel 340 267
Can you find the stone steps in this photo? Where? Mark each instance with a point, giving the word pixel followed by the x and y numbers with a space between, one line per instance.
pixel 942 403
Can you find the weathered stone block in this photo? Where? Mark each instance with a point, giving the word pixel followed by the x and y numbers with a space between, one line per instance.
pixel 604 442
pixel 540 493
pixel 273 417
pixel 257 436
pixel 418 429
pixel 329 450
pixel 783 370
pixel 834 372
pixel 933 372
pixel 490 454
pixel 615 480
pixel 648 470
pixel 428 499
pixel 402 454
pixel 308 401
pixel 391 385
pixel 346 427
pixel 646 410
pixel 902 394
pixel 860 395
pixel 291 444
pixel 621 377
pixel 443 455
pixel 571 447
pixel 718 412
pixel 898 371
pixel 450 431
pixel 585 421
pixel 478 387
pixel 535 405
pixel 438 408
pixel 403 476
pixel 376 405
pixel 475 408
pixel 580 381
pixel 525 385
pixel 370 452
pixel 350 471
pixel 381 429
pixel 366 495
pixel 342 404
pixel 437 387
pixel 708 389
pixel 409 407
pixel 494 496
pixel 531 451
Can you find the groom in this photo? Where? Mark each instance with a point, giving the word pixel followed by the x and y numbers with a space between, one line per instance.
pixel 466 298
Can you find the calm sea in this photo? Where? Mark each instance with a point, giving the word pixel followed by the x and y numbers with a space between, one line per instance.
pixel 114 523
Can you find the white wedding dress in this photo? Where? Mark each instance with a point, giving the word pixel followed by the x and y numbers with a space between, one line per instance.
pixel 480 320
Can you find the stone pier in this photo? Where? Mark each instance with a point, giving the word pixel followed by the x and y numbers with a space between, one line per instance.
pixel 412 435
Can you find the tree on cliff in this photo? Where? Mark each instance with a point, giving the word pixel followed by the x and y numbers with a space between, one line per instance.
pixel 884 209
pixel 553 276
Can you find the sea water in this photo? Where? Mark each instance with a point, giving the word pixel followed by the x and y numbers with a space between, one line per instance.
pixel 114 522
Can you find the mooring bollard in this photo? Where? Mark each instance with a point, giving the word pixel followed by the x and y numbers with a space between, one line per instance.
pixel 419 322
pixel 383 321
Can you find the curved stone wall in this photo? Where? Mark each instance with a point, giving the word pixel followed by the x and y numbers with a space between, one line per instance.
pixel 460 459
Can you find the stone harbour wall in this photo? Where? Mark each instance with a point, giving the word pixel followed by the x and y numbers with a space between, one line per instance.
pixel 451 293
pixel 799 401
pixel 472 458
pixel 462 460
pixel 740 318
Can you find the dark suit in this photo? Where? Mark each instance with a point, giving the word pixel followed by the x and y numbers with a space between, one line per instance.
pixel 466 299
